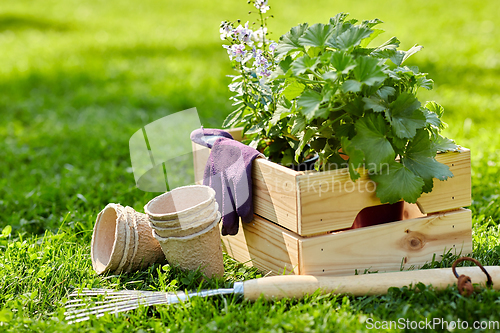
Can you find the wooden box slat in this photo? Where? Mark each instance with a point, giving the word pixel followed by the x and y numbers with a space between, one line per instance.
pixel 385 247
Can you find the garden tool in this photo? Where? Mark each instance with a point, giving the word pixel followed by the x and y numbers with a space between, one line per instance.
pixel 276 287
pixel 229 173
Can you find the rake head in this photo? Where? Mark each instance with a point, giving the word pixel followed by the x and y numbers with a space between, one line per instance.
pixel 97 302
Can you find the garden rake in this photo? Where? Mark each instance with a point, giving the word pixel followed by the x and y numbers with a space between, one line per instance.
pixel 291 286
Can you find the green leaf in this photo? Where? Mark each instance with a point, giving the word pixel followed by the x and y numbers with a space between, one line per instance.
pixel 316 35
pixel 419 158
pixel 287 157
pixel 330 76
pixel 386 50
pixel 338 19
pixel 6 231
pixel 435 107
pixel 411 52
pixel 385 92
pixel 293 90
pixel 304 64
pixel 256 128
pixel 299 124
pixel 6 315
pixel 304 140
pixel 234 117
pixel 280 113
pixel 289 42
pixel 309 103
pixel 355 107
pixel 371 23
pixel 322 113
pixel 339 27
pixel 318 144
pixel 351 85
pixel 398 182
pixel 371 139
pixel 424 82
pixel 342 62
pixel 406 117
pixel 356 157
pixel 432 118
pixel 368 71
pixel 400 56
pixel 365 42
pixel 375 103
pixel 282 68
pixel 351 38
pixel 442 144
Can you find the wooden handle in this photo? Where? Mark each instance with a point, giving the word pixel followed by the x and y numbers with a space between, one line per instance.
pixel 297 286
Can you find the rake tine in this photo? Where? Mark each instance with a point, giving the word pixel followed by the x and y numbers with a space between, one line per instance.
pixel 114 308
pixel 140 299
pixel 108 298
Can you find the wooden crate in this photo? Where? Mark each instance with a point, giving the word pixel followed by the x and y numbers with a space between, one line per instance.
pixel 296 212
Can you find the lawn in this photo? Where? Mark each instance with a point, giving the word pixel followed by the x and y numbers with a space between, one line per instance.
pixel 77 79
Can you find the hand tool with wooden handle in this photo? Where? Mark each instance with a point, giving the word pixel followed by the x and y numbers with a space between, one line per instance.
pixel 276 287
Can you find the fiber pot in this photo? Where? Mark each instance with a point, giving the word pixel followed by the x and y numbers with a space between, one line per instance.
pixel 185 221
pixel 187 229
pixel 122 241
pixel 201 250
pixel 180 204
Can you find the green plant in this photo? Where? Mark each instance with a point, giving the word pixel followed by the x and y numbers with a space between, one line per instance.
pixel 352 105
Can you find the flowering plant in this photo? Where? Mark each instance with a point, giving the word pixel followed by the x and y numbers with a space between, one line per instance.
pixel 253 55
pixel 323 90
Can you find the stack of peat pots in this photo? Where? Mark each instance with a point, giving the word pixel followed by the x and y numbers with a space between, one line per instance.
pixel 185 223
pixel 122 241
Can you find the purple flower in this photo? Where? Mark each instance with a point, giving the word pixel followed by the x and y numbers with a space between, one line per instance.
pixel 272 47
pixel 236 52
pixel 244 34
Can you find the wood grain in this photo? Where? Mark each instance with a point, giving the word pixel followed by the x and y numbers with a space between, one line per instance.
pixel 275 193
pixel 264 245
pixel 454 192
pixel 387 247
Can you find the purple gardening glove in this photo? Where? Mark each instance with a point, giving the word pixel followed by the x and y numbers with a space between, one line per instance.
pixel 229 173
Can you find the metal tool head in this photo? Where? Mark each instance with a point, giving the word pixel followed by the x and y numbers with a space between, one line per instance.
pixel 97 302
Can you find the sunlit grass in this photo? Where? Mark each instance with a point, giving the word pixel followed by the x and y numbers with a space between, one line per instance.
pixel 77 79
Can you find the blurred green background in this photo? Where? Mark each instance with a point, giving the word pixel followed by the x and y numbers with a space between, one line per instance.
pixel 78 78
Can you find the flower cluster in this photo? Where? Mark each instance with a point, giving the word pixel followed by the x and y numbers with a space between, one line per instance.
pixel 261 64
pixel 254 58
pixel 261 5
pixel 247 44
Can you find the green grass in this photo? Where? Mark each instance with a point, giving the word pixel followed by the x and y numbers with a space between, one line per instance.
pixel 77 79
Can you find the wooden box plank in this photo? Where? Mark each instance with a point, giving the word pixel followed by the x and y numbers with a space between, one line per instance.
pixel 385 247
pixel 264 245
pixel 454 192
pixel 275 193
